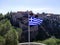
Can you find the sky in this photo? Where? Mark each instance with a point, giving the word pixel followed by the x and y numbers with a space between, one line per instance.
pixel 37 6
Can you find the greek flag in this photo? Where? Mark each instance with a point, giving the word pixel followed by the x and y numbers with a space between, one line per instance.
pixel 35 21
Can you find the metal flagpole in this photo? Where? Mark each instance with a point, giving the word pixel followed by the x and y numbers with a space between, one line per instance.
pixel 28 30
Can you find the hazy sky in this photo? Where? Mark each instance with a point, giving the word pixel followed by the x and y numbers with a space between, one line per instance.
pixel 48 6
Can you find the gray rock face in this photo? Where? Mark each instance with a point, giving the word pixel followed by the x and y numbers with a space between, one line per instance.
pixel 51 25
pixel 21 19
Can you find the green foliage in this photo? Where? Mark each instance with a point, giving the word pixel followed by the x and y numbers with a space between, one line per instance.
pixel 11 37
pixel 51 41
pixel 2 41
pixel 4 26
pixel 1 16
pixel 8 15
pixel 19 33
pixel 7 30
pixel 58 41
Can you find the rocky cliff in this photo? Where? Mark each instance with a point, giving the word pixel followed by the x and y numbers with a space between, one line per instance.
pixel 49 27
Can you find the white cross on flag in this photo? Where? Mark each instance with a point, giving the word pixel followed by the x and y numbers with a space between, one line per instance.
pixel 35 21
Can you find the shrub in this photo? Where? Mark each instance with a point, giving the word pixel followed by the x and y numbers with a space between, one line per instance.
pixel 2 41
pixel 19 33
pixel 50 41
pixel 5 26
pixel 58 41
pixel 11 37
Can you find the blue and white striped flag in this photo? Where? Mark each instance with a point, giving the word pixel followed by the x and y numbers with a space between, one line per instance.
pixel 35 21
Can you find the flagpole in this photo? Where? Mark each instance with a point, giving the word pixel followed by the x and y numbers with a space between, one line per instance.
pixel 28 30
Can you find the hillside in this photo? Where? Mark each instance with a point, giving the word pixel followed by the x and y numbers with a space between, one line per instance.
pixel 50 26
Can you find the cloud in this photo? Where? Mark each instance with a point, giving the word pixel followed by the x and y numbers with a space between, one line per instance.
pixel 35 10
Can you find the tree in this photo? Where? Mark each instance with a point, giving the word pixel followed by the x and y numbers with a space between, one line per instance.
pixel 8 15
pixel 19 33
pixel 11 37
pixel 1 16
pixel 4 26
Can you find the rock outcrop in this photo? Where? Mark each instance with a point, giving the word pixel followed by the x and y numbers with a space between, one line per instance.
pixel 50 26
